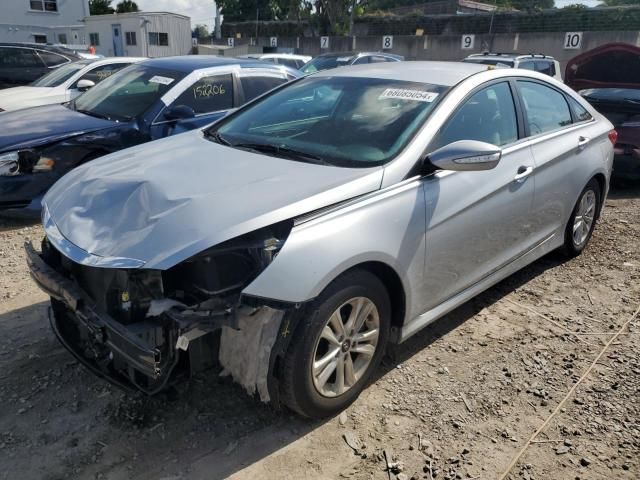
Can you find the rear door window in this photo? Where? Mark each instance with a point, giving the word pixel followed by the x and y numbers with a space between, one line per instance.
pixel 546 109
pixel 19 58
pixel 209 94
pixel 254 85
pixel 488 116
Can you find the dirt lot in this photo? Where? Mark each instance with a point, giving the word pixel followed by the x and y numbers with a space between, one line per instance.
pixel 460 400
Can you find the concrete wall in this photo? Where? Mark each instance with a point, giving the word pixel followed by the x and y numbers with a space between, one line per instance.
pixel 449 47
pixel 178 28
pixel 18 23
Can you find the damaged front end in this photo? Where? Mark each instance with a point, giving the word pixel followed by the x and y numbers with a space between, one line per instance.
pixel 145 328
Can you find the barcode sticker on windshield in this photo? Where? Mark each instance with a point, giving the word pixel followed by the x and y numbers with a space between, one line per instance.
pixel 162 80
pixel 417 95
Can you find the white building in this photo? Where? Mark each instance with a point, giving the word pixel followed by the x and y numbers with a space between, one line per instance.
pixel 139 34
pixel 43 21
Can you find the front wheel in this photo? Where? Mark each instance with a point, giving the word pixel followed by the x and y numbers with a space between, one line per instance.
pixel 582 220
pixel 337 348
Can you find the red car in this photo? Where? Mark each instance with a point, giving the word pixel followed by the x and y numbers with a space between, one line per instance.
pixel 608 77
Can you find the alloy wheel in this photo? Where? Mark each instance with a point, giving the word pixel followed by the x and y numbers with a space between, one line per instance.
pixel 345 347
pixel 584 218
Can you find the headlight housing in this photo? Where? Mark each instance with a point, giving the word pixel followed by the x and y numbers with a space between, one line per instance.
pixel 24 161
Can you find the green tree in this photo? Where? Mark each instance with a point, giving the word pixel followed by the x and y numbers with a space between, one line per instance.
pixel 201 31
pixel 100 7
pixel 126 6
pixel 617 3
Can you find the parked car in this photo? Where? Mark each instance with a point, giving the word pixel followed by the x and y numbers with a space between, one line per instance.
pixel 607 77
pixel 288 59
pixel 63 83
pixel 146 101
pixel 343 59
pixel 538 63
pixel 346 210
pixel 22 63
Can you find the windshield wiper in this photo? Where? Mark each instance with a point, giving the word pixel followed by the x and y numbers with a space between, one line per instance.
pixel 93 114
pixel 281 151
pixel 217 137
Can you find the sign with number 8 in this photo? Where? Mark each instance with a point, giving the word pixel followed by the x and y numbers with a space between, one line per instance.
pixel 387 42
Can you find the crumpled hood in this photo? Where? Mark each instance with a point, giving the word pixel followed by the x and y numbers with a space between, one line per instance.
pixel 168 200
pixel 23 97
pixel 41 125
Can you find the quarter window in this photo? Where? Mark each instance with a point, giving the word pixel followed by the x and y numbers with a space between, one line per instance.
pixel 545 108
pixel 94 39
pixel 130 38
pixel 209 94
pixel 580 113
pixel 256 85
pixel 488 116
pixel 52 59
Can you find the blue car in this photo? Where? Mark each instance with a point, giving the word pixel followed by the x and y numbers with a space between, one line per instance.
pixel 144 102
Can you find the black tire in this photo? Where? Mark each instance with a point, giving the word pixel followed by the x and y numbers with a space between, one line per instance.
pixel 571 247
pixel 297 385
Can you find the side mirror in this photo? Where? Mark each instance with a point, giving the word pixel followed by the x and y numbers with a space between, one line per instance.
pixel 84 84
pixel 466 155
pixel 179 112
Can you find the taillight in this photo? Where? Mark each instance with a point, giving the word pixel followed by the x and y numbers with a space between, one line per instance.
pixel 613 137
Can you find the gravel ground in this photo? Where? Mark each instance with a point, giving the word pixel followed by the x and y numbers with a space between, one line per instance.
pixel 461 400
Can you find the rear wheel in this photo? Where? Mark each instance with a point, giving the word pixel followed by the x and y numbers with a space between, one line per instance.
pixel 337 348
pixel 582 220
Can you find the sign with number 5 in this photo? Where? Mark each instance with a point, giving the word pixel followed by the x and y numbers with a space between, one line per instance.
pixel 387 42
pixel 468 42
pixel 230 42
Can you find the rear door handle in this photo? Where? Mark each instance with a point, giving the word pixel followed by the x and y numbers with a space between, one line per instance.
pixel 523 173
pixel 583 142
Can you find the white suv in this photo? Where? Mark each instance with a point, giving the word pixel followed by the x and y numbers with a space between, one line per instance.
pixel 537 62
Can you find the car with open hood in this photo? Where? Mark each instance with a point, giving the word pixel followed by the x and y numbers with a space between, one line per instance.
pixel 143 102
pixel 63 84
pixel 302 233
pixel 608 77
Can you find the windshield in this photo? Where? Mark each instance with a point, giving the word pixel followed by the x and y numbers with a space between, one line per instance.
pixel 339 121
pixel 61 74
pixel 127 93
pixel 488 61
pixel 325 63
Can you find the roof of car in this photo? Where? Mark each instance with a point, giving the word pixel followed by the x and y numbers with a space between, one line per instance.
pixel 510 55
pixel 189 63
pixel 40 46
pixel 353 54
pixel 437 73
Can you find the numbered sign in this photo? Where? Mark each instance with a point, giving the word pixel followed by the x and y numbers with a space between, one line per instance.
pixel 387 42
pixel 273 41
pixel 324 42
pixel 230 42
pixel 572 40
pixel 468 42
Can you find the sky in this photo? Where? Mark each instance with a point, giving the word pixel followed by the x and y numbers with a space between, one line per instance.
pixel 202 11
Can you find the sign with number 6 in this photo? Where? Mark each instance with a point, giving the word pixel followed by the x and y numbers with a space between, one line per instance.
pixel 387 42
pixel 273 41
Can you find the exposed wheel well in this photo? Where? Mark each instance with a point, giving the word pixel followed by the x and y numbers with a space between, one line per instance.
pixel 393 284
pixel 602 185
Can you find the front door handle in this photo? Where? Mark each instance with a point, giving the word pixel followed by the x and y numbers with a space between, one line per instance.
pixel 583 142
pixel 523 173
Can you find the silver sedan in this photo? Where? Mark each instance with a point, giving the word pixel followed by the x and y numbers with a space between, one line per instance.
pixel 294 239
